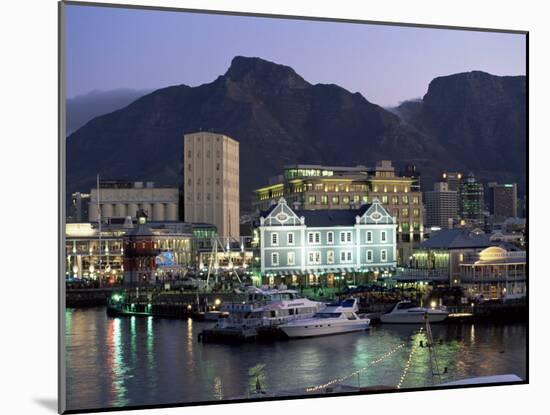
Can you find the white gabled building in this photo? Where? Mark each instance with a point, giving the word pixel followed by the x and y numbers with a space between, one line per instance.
pixel 325 243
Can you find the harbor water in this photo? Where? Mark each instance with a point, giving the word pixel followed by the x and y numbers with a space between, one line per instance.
pixel 113 362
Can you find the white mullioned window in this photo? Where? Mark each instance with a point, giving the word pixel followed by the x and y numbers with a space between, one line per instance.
pixel 369 255
pixel 345 237
pixel 369 237
pixel 330 257
pixel 290 238
pixel 330 237
pixel 290 258
pixel 314 237
pixel 383 236
pixel 274 239
pixel 383 255
pixel 314 257
pixel 275 258
pixel 345 256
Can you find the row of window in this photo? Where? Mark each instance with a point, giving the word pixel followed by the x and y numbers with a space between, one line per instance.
pixel 335 200
pixel 314 238
pixel 316 257
pixel 405 213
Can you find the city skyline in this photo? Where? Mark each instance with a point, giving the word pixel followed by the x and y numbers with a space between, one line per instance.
pixel 110 48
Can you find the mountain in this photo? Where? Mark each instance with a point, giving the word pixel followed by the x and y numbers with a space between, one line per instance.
pixel 480 119
pixel 278 117
pixel 83 108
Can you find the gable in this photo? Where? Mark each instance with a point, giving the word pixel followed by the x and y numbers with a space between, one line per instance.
pixel 281 215
pixel 376 214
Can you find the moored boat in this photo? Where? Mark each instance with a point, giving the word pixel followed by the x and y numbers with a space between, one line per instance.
pixel 406 312
pixel 334 319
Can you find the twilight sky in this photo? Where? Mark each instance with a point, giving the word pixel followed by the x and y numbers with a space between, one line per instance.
pixel 110 48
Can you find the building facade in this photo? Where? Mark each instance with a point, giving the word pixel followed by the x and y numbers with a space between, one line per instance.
pixel 503 200
pixel 494 273
pixel 78 212
pixel 316 187
pixel 321 245
pixel 441 206
pixel 120 199
pixel 472 201
pixel 211 181
pixel 453 180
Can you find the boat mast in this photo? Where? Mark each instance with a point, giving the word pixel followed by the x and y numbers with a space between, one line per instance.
pixel 99 229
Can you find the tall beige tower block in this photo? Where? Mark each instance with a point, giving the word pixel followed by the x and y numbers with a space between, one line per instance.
pixel 211 181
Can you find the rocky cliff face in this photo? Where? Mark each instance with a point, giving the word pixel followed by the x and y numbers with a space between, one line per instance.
pixel 279 118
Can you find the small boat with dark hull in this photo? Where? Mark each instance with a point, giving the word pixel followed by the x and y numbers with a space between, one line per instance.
pixel 120 305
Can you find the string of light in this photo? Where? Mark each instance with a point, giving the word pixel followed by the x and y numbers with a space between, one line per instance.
pixel 355 373
pixel 408 364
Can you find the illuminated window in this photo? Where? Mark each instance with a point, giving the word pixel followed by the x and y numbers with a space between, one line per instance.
pixel 314 257
pixel 405 212
pixel 405 200
pixel 395 200
pixel 384 200
pixel 330 257
pixel 415 200
pixel 416 213
pixel 335 200
pixel 290 258
pixel 312 199
pixel 345 200
pixel 324 200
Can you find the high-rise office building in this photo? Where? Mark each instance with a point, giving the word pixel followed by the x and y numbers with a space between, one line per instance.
pixel 78 212
pixel 471 201
pixel 441 206
pixel 211 181
pixel 503 200
pixel 453 180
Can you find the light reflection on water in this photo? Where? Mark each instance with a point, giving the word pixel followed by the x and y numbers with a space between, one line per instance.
pixel 140 361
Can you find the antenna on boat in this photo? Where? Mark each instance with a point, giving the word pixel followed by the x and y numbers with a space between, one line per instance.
pixel 434 364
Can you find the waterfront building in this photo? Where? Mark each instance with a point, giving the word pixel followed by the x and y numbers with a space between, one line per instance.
pixel 503 200
pixel 156 254
pixel 320 247
pixel 317 187
pixel 441 206
pixel 120 199
pixel 88 257
pixel 471 201
pixel 440 256
pixel 78 211
pixel 453 180
pixel 494 272
pixel 211 181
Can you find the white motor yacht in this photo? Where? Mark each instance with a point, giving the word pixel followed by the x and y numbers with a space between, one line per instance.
pixel 334 319
pixel 406 312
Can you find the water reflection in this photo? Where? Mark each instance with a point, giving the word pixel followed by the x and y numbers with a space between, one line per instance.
pixel 138 361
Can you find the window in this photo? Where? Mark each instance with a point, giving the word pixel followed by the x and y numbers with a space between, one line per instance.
pixel 314 237
pixel 345 200
pixel 369 236
pixel 356 198
pixel 394 200
pixel 275 258
pixel 290 258
pixel 405 199
pixel 314 257
pixel 324 200
pixel 416 213
pixel 290 238
pixel 335 200
pixel 384 200
pixel 383 255
pixel 330 257
pixel 330 237
pixel 415 200
pixel 345 237
pixel 383 236
pixel 345 256
pixel 274 239
pixel 218 166
pixel 369 255
pixel 405 213
pixel 312 199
